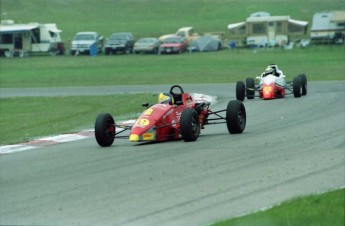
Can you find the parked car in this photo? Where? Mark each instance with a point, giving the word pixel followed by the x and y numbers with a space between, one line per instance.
pixel 173 44
pixel 83 41
pixel 120 42
pixel 146 45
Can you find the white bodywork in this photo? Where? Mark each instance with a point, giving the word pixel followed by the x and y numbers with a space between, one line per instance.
pixel 268 79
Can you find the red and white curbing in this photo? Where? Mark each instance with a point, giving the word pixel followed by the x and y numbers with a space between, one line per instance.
pixel 63 138
pixel 42 142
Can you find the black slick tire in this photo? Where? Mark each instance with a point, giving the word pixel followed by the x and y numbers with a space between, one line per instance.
pixel 190 125
pixel 250 88
pixel 240 91
pixel 296 86
pixel 303 79
pixel 235 117
pixel 105 130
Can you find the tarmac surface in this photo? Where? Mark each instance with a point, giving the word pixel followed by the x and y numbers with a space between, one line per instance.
pixel 290 147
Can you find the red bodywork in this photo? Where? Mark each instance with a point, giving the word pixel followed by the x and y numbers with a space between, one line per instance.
pixel 271 91
pixel 162 121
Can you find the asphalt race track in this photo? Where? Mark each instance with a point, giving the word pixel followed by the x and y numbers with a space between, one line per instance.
pixel 290 147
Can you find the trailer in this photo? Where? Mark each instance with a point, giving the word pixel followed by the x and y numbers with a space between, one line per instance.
pixel 26 39
pixel 263 30
pixel 328 27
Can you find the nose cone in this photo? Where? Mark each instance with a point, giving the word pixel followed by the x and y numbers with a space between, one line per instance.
pixel 134 138
pixel 268 91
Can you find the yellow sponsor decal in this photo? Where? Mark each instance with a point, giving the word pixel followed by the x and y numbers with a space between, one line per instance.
pixel 148 136
pixel 148 111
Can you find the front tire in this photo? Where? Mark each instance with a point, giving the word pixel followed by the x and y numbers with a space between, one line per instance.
pixel 250 87
pixel 190 125
pixel 105 130
pixel 240 91
pixel 235 117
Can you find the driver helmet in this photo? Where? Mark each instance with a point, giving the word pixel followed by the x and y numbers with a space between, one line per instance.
pixel 270 70
pixel 165 98
pixel 274 66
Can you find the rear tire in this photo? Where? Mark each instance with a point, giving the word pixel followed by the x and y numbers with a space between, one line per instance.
pixel 303 79
pixel 190 125
pixel 296 85
pixel 250 87
pixel 240 91
pixel 235 117
pixel 105 130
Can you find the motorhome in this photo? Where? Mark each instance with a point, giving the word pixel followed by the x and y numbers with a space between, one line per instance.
pixel 25 39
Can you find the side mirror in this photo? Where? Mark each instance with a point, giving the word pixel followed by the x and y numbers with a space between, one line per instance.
pixel 145 105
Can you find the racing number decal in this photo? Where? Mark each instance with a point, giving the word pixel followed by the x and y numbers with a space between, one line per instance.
pixel 143 122
pixel 267 89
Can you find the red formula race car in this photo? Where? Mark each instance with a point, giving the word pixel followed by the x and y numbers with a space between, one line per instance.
pixel 176 116
pixel 271 87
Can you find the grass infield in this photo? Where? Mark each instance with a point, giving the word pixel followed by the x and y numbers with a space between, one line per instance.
pixel 25 118
pixel 314 210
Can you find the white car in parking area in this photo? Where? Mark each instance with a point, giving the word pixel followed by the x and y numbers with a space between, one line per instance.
pixel 84 41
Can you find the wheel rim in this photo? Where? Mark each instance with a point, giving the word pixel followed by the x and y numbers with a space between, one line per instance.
pixel 241 117
pixel 194 125
pixel 110 130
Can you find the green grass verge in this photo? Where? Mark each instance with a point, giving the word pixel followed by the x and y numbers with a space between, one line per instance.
pixel 153 17
pixel 319 63
pixel 315 210
pixel 25 118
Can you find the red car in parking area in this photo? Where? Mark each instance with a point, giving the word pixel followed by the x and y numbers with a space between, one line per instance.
pixel 173 44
